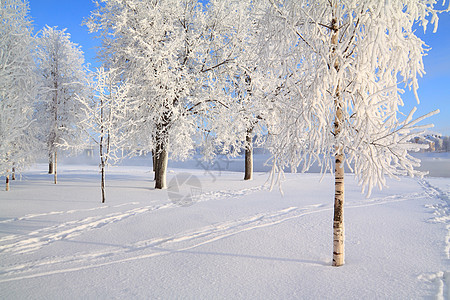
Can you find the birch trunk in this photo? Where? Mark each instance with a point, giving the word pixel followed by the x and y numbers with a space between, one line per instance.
pixel 53 156
pixel 154 164
pixel 102 156
pixel 248 156
pixel 54 137
pixel 55 164
pixel 103 182
pixel 102 165
pixel 338 219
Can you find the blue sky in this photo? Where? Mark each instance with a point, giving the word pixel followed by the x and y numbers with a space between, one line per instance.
pixel 434 88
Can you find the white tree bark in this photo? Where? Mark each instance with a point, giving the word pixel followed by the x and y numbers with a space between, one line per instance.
pixel 338 219
pixel 248 156
pixel 154 164
pixel 103 182
pixel 102 160
pixel 55 164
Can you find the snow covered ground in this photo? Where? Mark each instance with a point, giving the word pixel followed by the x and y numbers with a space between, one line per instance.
pixel 213 236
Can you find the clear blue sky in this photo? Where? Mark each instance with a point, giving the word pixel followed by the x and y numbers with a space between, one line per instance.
pixel 434 88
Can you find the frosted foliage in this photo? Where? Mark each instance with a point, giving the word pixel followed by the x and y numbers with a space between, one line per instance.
pixel 243 88
pixel 374 56
pixel 150 42
pixel 107 111
pixel 181 143
pixel 170 52
pixel 243 111
pixel 63 77
pixel 17 85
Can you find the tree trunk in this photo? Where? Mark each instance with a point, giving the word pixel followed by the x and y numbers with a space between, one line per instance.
pixel 103 182
pixel 55 164
pixel 338 219
pixel 7 181
pixel 13 174
pixel 161 167
pixel 102 157
pixel 161 153
pixel 248 156
pixel 154 164
pixel 50 163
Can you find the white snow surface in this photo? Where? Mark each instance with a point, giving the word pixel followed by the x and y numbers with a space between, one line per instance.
pixel 237 240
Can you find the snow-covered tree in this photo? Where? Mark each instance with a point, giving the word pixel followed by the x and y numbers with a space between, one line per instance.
pixel 234 122
pixel 344 65
pixel 63 76
pixel 17 86
pixel 446 143
pixel 241 122
pixel 107 123
pixel 166 50
pixel 239 116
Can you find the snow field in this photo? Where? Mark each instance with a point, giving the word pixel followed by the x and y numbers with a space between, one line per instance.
pixel 237 241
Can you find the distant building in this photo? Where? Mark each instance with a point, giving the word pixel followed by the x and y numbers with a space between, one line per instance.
pixel 436 143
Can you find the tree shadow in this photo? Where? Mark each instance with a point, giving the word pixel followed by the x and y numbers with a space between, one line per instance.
pixel 248 256
pixel 156 248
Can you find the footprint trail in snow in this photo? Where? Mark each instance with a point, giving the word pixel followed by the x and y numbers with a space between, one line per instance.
pixel 145 249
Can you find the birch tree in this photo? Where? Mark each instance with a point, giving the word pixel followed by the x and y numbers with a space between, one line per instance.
pixel 17 87
pixel 107 123
pixel 166 49
pixel 345 65
pixel 63 75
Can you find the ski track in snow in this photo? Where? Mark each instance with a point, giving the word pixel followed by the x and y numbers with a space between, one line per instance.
pixel 19 244
pixel 52 213
pixel 31 216
pixel 145 249
pixel 47 235
pixel 440 279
